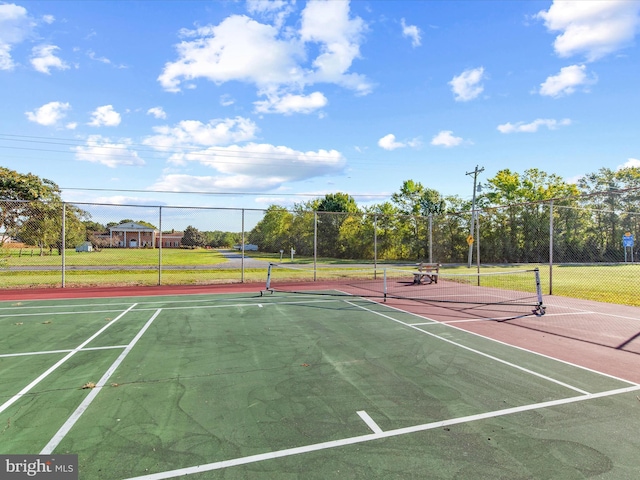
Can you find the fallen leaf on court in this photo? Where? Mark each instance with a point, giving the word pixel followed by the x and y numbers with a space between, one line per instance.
pixel 88 385
pixel 19 323
pixel 305 365
pixel 47 322
pixel 115 385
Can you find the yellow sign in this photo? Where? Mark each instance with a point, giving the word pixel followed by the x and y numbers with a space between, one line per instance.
pixel 470 239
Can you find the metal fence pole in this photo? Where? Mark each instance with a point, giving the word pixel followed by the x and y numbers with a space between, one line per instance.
pixel 431 238
pixel 160 246
pixel 551 248
pixel 64 240
pixel 242 259
pixel 375 242
pixel 315 244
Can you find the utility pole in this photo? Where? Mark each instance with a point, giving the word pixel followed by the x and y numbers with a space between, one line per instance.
pixel 473 211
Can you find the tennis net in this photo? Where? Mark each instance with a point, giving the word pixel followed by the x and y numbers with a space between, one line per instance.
pixel 514 287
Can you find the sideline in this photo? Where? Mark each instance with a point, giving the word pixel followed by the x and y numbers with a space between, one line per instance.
pixel 53 368
pixel 75 416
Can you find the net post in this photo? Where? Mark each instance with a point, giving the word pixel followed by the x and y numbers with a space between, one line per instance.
pixel 267 287
pixel 540 309
pixel 384 283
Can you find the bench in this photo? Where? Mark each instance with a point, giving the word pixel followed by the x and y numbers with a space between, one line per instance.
pixel 427 273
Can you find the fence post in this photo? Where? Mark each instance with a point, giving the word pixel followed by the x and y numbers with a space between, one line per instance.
pixel 160 246
pixel 315 244
pixel 242 259
pixel 64 241
pixel 375 243
pixel 551 248
pixel 431 238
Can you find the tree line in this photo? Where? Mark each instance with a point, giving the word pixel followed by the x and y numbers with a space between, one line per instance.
pixel 514 211
pixel 519 215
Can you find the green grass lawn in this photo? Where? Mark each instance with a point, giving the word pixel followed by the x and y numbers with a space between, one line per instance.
pixel 113 257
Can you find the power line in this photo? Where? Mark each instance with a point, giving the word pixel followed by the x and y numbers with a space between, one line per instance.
pixel 270 194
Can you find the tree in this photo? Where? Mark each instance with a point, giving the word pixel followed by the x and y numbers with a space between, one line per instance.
pixel 193 238
pixel 32 211
pixel 415 201
pixel 333 210
pixel 17 191
pixel 273 232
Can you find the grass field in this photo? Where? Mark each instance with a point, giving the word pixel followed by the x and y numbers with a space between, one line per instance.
pixel 112 257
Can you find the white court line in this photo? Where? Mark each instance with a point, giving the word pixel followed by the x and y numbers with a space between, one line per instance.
pixel 477 352
pixel 51 369
pixel 75 416
pixel 83 312
pixel 236 305
pixel 374 436
pixel 27 354
pixel 70 305
pixel 369 421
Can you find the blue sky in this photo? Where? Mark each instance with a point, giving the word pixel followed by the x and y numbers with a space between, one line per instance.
pixel 277 102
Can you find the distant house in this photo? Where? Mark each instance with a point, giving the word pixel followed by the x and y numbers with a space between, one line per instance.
pixel 132 235
pixel 84 247
pixel 135 235
pixel 170 240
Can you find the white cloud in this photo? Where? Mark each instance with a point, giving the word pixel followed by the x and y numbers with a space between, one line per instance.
pixel 445 138
pixel 467 85
pixel 290 103
pixel 105 116
pixel 412 32
pixel 275 59
pixel 49 114
pixel 533 127
pixel 190 133
pixel 207 183
pixel 226 100
pixel 594 28
pixel 15 26
pixel 388 142
pixel 6 62
pixel 71 125
pixel 93 56
pixel 328 23
pixel 630 163
pixel 157 112
pixel 252 167
pixel 239 48
pixel 49 19
pixel 566 82
pixel 43 59
pixel 99 149
pixel 277 10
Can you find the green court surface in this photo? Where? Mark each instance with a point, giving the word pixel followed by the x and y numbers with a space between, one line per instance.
pixel 286 386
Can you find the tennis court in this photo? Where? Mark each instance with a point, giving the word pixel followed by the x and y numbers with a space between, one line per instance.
pixel 296 385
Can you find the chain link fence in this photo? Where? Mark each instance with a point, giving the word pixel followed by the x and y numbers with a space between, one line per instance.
pixel 89 244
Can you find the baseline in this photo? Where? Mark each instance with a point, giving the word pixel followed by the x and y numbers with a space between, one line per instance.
pixel 375 436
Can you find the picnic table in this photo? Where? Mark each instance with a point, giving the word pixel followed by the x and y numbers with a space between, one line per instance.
pixel 427 273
